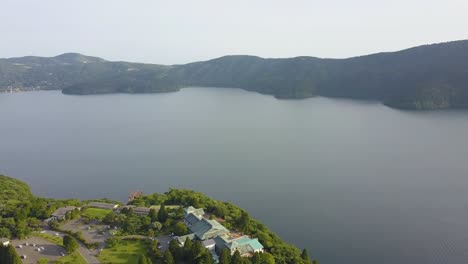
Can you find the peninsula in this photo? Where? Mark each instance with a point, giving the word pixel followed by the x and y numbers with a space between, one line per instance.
pixel 179 226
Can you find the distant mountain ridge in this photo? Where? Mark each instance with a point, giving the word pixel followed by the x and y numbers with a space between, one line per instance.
pixel 425 77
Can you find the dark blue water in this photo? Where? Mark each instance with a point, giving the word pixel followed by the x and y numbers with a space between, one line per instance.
pixel 354 182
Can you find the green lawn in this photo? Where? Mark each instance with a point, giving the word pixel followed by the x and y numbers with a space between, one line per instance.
pixel 127 251
pixel 156 207
pixel 54 239
pixel 95 213
pixel 74 258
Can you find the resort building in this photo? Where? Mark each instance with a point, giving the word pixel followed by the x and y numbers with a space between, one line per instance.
pixel 61 212
pixel 215 237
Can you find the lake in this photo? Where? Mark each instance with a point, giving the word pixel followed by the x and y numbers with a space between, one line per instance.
pixel 352 181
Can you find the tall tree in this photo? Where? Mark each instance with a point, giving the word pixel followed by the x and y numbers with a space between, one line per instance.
pixel 305 255
pixel 197 249
pixel 162 214
pixel 175 249
pixel 225 257
pixel 9 255
pixel 236 258
pixel 70 244
pixel 155 252
pixel 168 258
pixel 244 221
pixel 188 249
pixel 153 215
pixel 262 258
pixel 205 258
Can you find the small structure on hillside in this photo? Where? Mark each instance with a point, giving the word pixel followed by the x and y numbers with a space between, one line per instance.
pixel 133 195
pixel 192 210
pixel 61 212
pixel 99 205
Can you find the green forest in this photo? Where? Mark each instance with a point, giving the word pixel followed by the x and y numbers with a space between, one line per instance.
pixel 420 78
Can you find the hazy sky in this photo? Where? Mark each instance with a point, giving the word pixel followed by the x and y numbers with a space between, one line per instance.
pixel 177 31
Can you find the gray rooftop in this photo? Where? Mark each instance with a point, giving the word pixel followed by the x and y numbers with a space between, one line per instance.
pixel 208 242
pixel 206 229
pixel 191 219
pixel 62 211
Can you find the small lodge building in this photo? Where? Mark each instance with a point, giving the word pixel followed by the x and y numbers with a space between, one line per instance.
pixel 106 206
pixel 215 237
pixel 4 241
pixel 61 212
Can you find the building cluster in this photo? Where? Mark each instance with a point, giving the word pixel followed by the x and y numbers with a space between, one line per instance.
pixel 212 234
pixel 215 237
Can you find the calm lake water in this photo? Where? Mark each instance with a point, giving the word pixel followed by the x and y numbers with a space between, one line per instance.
pixel 354 182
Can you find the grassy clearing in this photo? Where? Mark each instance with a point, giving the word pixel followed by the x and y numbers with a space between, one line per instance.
pixel 74 258
pixel 156 207
pixel 95 213
pixel 127 251
pixel 54 239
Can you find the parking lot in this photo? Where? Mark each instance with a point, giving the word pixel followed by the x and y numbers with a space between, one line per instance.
pixel 92 232
pixel 48 250
pixel 164 242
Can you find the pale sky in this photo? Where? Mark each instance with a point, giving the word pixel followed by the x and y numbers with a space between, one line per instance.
pixel 181 31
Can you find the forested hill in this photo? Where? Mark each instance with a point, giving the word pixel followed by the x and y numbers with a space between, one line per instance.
pixel 425 77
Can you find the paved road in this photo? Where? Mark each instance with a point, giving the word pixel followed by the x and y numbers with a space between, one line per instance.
pixel 87 254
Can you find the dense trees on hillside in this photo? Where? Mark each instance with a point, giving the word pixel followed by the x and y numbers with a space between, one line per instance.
pixel 235 218
pixel 21 212
pixel 425 77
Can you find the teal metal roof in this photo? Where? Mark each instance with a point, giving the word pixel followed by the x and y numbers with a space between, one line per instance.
pixel 246 242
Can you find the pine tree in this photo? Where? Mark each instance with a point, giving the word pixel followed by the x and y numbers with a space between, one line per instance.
pixel 197 249
pixel 244 221
pixel 236 258
pixel 305 255
pixel 11 256
pixel 205 258
pixel 153 215
pixel 176 251
pixel 188 249
pixel 162 214
pixel 168 258
pixel 225 257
